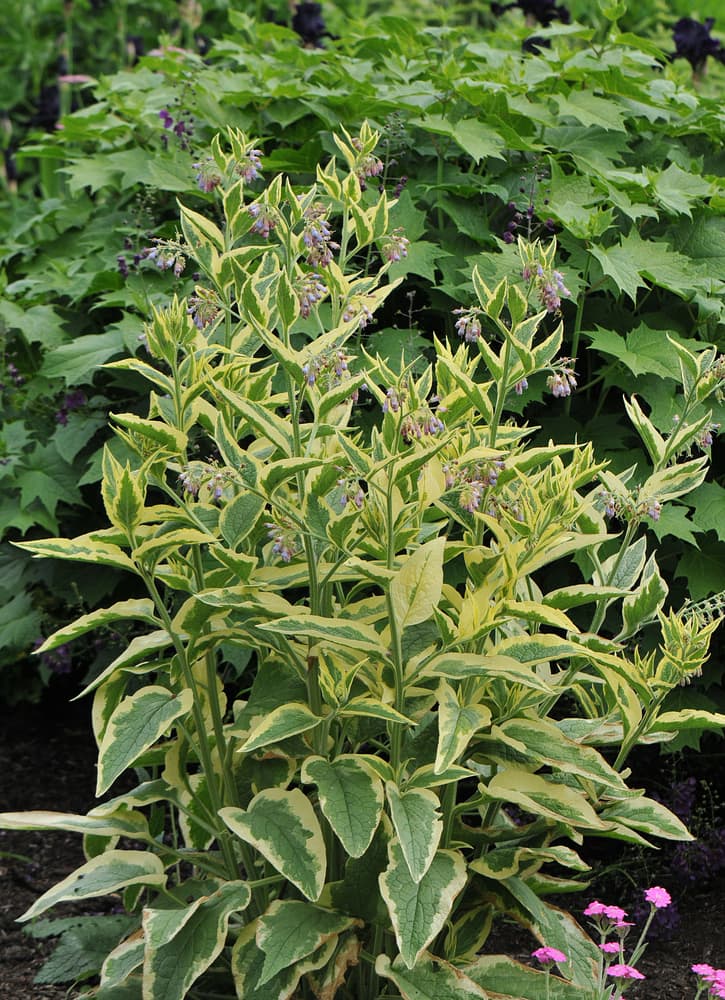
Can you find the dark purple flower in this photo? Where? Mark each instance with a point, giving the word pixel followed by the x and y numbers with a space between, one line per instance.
pixel 75 399
pixel 694 42
pixel 534 44
pixel 542 11
pixel 309 23
pixel 166 118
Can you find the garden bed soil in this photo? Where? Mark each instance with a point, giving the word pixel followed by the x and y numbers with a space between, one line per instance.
pixel 47 761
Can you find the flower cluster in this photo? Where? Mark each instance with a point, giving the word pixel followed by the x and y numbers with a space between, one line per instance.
pixel 549 285
pixel 204 307
pixel 352 492
pixel 331 366
pixel 629 508
pixel 264 220
pixel 284 540
pixel 310 290
pixel 394 398
pixel 367 165
pixel 549 956
pixel 208 175
pixel 249 168
pixel 542 11
pixel 357 308
pixel 167 255
pixel 317 236
pixel 563 380
pixel 57 661
pixel 468 325
pixel 705 440
pixel 309 23
pixel 15 376
pixel 395 246
pixel 712 980
pixel 182 127
pixel 202 481
pixel 473 481
pixel 414 426
pixel 74 400
pixel 694 42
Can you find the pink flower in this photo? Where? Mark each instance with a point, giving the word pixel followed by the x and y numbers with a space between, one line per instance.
pixel 658 897
pixel 595 909
pixel 610 947
pixel 704 970
pixel 615 913
pixel 624 972
pixel 546 955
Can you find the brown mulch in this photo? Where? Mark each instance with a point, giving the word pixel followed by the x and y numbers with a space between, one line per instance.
pixel 47 761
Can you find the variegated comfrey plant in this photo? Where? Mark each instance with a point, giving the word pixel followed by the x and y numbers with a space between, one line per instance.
pixel 362 723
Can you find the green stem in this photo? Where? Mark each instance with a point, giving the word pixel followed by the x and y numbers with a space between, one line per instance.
pixel 223 836
pixel 501 391
pixel 395 728
pixel 576 332
pixel 643 725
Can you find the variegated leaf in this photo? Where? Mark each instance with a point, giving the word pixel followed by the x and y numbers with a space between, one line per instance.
pixel 351 799
pixel 418 910
pixel 136 724
pixel 283 827
pixel 181 944
pixel 100 876
pixel 418 824
pixel 456 725
pixel 429 981
pixel 292 929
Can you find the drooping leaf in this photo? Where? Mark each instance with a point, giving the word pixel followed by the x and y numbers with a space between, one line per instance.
pixel 293 929
pixel 418 910
pixel 351 799
pixel 504 976
pixel 551 926
pixel 100 876
pixel 121 823
pixel 546 744
pixel 181 944
pixel 140 609
pixel 283 827
pixel 284 721
pixel 248 962
pixel 429 981
pixel 345 633
pixel 118 964
pixel 135 725
pixel 648 816
pixel 537 795
pixel 84 548
pixel 417 821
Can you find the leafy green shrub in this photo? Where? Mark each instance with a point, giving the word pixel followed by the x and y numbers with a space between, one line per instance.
pixel 362 722
pixel 597 139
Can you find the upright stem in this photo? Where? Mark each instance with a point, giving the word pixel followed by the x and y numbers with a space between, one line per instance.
pixel 205 757
pixel 501 390
pixel 395 728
